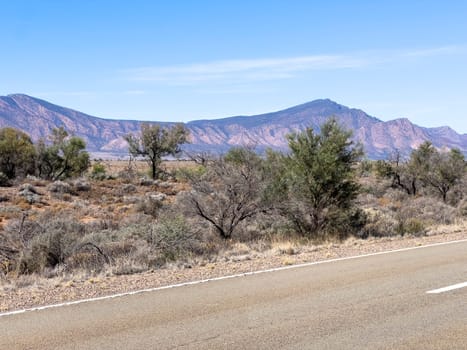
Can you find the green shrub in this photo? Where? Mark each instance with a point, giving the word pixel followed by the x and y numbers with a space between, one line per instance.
pixel 172 234
pixel 149 205
pixel 98 171
pixel 315 184
pixel 184 174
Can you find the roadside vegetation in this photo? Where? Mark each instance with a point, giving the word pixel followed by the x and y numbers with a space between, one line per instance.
pixel 60 214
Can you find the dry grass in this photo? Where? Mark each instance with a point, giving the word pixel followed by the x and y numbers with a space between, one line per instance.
pixel 127 225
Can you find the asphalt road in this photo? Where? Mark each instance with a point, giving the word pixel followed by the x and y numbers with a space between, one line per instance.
pixel 376 302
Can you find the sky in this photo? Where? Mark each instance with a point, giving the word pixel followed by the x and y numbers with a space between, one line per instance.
pixel 187 60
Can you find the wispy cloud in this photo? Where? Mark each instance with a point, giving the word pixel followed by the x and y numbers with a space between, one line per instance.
pixel 274 68
pixel 252 69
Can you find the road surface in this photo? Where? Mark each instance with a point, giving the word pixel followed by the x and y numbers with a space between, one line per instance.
pixel 373 302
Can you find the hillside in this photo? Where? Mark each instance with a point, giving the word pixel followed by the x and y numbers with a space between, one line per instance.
pixel 105 136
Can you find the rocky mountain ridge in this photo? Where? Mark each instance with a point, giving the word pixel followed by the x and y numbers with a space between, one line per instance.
pixel 105 136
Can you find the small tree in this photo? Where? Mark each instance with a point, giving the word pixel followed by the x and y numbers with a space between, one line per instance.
pixel 320 185
pixel 156 142
pixel 229 192
pixel 426 168
pixel 439 170
pixel 64 157
pixel 448 172
pixel 16 153
pixel 404 175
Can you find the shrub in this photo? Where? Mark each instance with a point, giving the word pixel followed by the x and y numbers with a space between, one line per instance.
pixel 29 193
pixel 65 157
pixel 172 233
pixel 45 243
pixel 379 224
pixel 315 186
pixel 81 185
pixel 414 226
pixel 17 153
pixel 403 214
pixel 60 187
pixel 98 171
pixel 228 193
pixel 184 174
pixel 128 188
pixel 150 205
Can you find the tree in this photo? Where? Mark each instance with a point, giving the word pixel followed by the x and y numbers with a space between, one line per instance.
pixel 439 170
pixel 64 157
pixel 156 142
pixel 404 175
pixel 427 167
pixel 448 170
pixel 16 153
pixel 229 192
pixel 318 183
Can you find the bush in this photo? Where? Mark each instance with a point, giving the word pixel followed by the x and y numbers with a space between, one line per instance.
pixel 98 171
pixel 413 226
pixel 379 224
pixel 65 157
pixel 128 188
pixel 172 233
pixel 184 174
pixel 60 187
pixel 81 185
pixel 47 243
pixel 29 193
pixel 314 186
pixel 229 193
pixel 150 205
pixel 17 153
pixel 398 213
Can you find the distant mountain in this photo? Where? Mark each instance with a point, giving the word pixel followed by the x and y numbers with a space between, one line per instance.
pixel 105 136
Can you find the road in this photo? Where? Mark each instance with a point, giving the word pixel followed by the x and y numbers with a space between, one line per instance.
pixel 373 302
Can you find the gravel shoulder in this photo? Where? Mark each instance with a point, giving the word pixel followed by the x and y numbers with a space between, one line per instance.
pixel 33 291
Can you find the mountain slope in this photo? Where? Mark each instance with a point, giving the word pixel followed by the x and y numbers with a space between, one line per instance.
pixel 38 117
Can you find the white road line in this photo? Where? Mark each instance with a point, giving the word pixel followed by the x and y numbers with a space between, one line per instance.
pixel 448 288
pixel 224 278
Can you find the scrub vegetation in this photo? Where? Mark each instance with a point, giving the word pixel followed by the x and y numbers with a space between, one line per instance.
pixel 60 214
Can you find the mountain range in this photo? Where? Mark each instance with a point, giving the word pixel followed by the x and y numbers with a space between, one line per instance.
pixel 104 137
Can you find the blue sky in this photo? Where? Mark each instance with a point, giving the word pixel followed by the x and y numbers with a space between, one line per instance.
pixel 186 60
